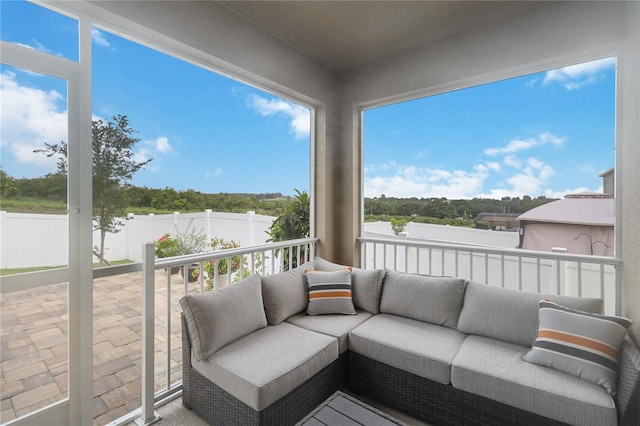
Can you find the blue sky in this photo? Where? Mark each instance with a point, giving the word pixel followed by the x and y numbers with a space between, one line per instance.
pixel 548 134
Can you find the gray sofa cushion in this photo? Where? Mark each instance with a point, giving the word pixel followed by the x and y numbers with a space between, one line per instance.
pixel 285 294
pixel 366 284
pixel 424 349
pixel 261 368
pixel 496 370
pixel 510 315
pixel 219 317
pixel 431 299
pixel 337 326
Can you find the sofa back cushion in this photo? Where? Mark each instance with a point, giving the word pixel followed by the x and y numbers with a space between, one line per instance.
pixel 285 294
pixel 217 318
pixel 435 300
pixel 511 315
pixel 366 284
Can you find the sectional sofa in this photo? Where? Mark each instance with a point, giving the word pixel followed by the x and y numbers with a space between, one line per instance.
pixel 271 348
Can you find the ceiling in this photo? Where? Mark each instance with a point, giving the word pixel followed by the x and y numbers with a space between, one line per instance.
pixel 343 35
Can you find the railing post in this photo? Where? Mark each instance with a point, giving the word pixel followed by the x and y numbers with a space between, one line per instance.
pixel 250 216
pixel 561 273
pixel 618 283
pixel 149 416
pixel 207 214
pixel 151 235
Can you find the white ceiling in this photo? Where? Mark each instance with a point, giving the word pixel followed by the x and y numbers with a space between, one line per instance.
pixel 343 35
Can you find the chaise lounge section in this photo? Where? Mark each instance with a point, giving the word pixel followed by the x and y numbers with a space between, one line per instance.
pixel 445 350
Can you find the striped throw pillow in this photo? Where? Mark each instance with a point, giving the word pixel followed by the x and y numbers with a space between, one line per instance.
pixel 330 292
pixel 579 343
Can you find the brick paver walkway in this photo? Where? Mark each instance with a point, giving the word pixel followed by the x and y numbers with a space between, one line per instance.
pixel 34 354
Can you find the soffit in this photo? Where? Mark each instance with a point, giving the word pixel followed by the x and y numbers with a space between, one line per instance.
pixel 343 35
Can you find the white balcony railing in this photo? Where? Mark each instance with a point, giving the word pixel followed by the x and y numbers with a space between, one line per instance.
pixel 535 271
pixel 264 259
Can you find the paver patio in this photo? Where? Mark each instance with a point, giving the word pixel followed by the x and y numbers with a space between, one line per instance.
pixel 34 353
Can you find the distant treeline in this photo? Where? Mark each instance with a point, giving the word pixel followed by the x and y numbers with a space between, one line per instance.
pixel 22 194
pixel 25 194
pixel 443 208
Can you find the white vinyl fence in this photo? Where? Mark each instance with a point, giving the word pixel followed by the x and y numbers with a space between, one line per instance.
pixel 28 240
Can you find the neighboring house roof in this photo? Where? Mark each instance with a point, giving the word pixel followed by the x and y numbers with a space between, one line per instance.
pixel 607 172
pixel 498 219
pixel 579 210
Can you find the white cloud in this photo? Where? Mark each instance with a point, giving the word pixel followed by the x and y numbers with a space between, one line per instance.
pixel 152 149
pixel 299 115
pixel 36 45
pixel 549 193
pixel 575 77
pixel 98 38
pixel 512 176
pixel 534 163
pixel 531 174
pixel 213 173
pixel 492 165
pixel 28 46
pixel 511 161
pixel 411 181
pixel 162 145
pixel 524 183
pixel 141 155
pixel 517 145
pixel 30 117
pixel 529 180
pixel 532 178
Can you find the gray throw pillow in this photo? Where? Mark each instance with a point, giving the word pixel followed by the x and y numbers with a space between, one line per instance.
pixel 217 318
pixel 579 343
pixel 285 294
pixel 366 284
pixel 511 315
pixel 436 300
pixel 330 292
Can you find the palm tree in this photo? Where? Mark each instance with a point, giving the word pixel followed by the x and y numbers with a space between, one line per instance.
pixel 292 224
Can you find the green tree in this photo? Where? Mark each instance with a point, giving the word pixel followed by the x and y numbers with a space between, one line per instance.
pixel 293 223
pixel 113 168
pixel 8 186
pixel 52 186
pixel 398 225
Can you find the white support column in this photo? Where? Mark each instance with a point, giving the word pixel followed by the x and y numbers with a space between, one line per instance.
pixel 80 205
